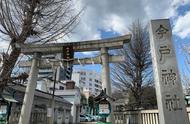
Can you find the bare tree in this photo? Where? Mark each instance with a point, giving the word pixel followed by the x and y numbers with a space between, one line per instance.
pixel 91 104
pixel 185 49
pixel 185 71
pixel 32 21
pixel 135 72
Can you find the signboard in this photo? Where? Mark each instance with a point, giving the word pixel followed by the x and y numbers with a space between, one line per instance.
pixel 170 98
pixel 68 52
pixel 49 112
pixel 3 114
pixel 104 108
pixel 3 109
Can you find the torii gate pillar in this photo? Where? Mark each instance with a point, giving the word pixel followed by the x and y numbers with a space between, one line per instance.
pixel 106 77
pixel 30 89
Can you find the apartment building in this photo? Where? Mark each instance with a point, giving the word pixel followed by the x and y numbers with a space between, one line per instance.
pixel 89 81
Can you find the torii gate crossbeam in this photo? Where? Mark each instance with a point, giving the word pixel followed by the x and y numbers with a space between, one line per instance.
pixel 93 45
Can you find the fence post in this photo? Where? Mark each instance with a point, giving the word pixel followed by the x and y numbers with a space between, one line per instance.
pixel 139 117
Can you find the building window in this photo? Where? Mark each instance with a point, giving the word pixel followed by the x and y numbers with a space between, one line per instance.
pixel 83 78
pixel 90 84
pixel 81 88
pixel 51 88
pixel 96 90
pixel 96 85
pixel 61 87
pixel 90 79
pixel 96 80
pixel 83 73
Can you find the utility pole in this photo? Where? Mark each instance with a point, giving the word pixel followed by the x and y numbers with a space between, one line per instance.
pixel 51 118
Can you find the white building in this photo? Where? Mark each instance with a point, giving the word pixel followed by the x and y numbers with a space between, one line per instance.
pixel 46 81
pixel 88 81
pixel 72 95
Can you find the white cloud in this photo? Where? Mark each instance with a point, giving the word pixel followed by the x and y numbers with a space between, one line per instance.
pixel 115 23
pixel 117 15
pixel 178 3
pixel 158 9
pixel 182 26
pixel 3 46
pixel 90 53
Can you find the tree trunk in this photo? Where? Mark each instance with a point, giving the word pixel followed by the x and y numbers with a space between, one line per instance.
pixel 137 100
pixel 8 66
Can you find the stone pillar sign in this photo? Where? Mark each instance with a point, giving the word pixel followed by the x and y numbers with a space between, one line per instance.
pixel 170 98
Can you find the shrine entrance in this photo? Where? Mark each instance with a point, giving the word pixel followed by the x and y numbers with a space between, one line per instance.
pixel 37 51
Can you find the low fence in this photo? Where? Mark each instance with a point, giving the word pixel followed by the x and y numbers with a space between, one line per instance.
pixel 139 117
pixel 149 117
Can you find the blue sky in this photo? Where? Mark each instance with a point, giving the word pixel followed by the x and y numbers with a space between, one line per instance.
pixel 109 18
pixel 182 10
pixel 96 67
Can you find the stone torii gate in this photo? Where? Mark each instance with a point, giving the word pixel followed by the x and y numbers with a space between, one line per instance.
pixel 94 45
